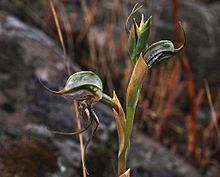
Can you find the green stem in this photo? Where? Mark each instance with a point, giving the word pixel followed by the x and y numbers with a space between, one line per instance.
pixel 107 100
pixel 122 159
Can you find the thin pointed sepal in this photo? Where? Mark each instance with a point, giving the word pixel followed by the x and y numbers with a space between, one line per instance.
pixel 60 92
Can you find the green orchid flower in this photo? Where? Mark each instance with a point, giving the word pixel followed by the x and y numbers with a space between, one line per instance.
pixel 86 88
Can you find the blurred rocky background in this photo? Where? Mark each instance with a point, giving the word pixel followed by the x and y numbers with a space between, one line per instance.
pixel 95 40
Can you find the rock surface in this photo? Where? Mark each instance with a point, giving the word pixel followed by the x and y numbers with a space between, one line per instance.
pixel 149 157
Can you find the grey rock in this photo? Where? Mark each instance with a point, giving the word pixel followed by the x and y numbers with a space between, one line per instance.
pixel 148 158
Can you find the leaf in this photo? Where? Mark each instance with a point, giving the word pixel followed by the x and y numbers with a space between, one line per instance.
pixel 144 31
pixel 160 51
pixel 132 41
pixel 120 123
pixel 138 38
pixel 142 22
pixel 133 51
pixel 126 174
pixel 133 93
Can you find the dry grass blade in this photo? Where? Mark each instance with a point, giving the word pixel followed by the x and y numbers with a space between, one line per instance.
pixel 80 139
pixel 59 33
pixel 192 122
pixel 89 18
pixel 68 31
pixel 167 91
pixel 134 10
pixel 69 72
pixel 214 121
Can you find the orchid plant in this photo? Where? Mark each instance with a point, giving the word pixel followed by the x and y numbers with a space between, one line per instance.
pixel 85 87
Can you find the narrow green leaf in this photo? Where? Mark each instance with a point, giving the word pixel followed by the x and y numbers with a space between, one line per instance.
pixel 133 93
pixel 137 32
pixel 142 22
pixel 138 38
pixel 144 31
pixel 132 41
